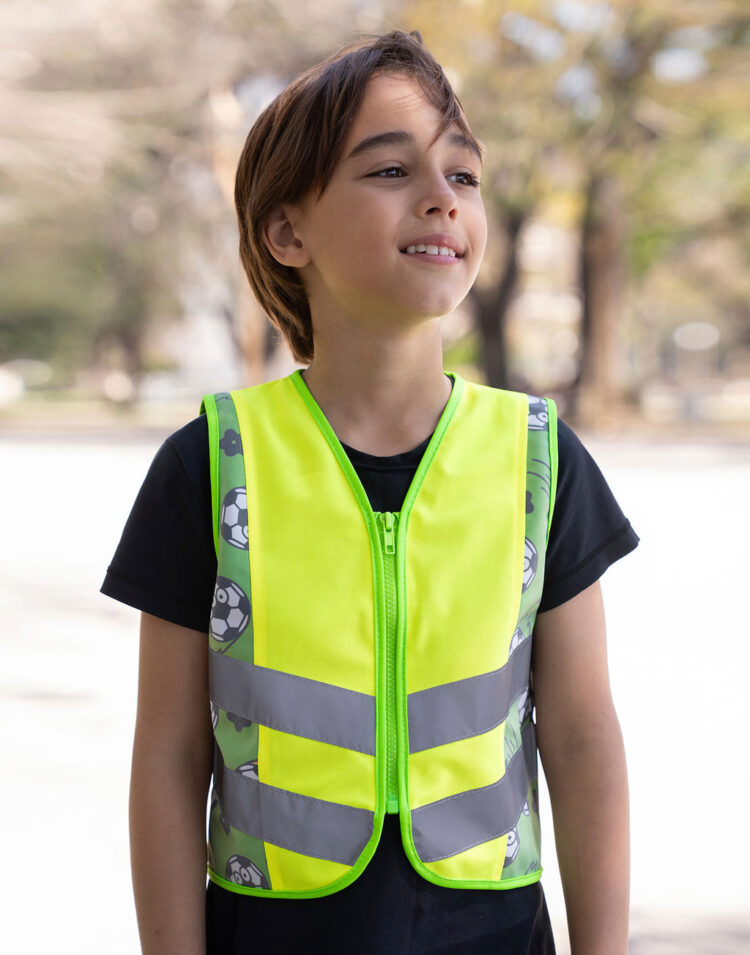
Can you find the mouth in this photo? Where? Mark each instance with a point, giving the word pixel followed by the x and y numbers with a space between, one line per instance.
pixel 431 252
pixel 443 256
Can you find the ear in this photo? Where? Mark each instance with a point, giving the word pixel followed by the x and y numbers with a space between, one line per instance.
pixel 280 235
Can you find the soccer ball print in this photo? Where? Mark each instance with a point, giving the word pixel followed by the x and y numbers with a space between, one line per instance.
pixel 530 561
pixel 233 520
pixel 242 871
pixel 230 611
pixel 249 769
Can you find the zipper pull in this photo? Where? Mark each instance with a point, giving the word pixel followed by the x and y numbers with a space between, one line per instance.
pixel 389 532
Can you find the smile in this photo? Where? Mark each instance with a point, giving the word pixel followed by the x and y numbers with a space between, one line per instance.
pixel 430 250
pixel 432 254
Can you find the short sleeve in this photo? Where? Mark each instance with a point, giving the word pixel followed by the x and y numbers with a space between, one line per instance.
pixel 589 531
pixel 165 562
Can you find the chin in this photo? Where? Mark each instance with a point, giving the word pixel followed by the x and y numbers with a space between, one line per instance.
pixel 436 307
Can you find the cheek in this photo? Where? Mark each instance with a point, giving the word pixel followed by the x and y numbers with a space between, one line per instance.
pixel 480 220
pixel 479 239
pixel 354 235
pixel 363 240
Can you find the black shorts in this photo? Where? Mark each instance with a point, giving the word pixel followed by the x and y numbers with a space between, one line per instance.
pixel 388 910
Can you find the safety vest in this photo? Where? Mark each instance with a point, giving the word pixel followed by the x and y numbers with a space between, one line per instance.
pixel 368 662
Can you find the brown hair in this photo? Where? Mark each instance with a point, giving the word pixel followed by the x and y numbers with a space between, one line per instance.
pixel 294 146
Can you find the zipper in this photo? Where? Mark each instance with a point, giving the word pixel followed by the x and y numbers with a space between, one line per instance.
pixel 388 523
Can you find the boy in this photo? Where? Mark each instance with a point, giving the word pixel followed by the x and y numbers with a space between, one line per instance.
pixel 388 536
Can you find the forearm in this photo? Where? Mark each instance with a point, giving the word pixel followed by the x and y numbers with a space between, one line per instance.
pixel 589 794
pixel 168 851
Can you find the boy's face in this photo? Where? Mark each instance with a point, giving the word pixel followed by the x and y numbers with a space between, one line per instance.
pixel 354 265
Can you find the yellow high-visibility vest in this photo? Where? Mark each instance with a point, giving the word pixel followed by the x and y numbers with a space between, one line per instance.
pixel 368 662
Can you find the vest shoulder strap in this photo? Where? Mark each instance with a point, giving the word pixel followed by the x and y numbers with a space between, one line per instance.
pixel 222 426
pixel 552 452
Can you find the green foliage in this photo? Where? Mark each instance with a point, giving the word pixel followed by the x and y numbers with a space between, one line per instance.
pixel 32 330
pixel 653 242
pixel 48 310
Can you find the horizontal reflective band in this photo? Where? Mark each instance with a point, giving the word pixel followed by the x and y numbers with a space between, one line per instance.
pixel 313 827
pixel 459 822
pixel 452 711
pixel 293 704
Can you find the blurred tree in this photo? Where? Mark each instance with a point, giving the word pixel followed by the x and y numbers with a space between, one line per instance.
pixel 120 127
pixel 584 99
pixel 128 120
pixel 658 91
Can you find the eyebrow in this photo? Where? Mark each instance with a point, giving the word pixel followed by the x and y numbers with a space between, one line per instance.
pixel 400 137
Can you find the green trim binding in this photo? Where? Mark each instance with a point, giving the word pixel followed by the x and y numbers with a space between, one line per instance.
pixel 208 407
pixel 350 877
pixel 552 438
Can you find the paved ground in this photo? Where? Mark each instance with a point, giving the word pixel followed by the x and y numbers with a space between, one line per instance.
pixel 678 655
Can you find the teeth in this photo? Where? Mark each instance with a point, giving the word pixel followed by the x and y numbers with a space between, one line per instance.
pixel 431 250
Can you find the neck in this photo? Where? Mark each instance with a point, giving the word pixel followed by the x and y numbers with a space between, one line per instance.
pixel 383 400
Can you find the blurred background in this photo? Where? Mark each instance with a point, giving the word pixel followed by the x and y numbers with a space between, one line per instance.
pixel 616 280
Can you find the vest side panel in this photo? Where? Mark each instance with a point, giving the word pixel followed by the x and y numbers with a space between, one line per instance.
pixel 208 407
pixel 552 450
pixel 310 619
pixel 236 858
pixel 523 852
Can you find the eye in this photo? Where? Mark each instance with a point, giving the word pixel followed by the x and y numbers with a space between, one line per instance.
pixel 389 169
pixel 471 179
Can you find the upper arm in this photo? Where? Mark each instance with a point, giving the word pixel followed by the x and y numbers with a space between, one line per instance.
pixel 589 531
pixel 570 678
pixel 173 700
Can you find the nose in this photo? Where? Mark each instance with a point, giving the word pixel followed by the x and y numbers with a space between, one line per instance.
pixel 437 196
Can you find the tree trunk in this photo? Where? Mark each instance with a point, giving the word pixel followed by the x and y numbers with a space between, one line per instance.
pixel 597 392
pixel 491 309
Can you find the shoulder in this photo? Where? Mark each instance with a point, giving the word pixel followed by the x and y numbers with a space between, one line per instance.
pixel 184 457
pixel 589 530
pixel 165 563
pixel 190 445
pixel 179 475
pixel 566 437
pixel 575 464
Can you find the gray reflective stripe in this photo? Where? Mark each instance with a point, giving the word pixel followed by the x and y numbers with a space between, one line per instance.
pixel 457 823
pixel 313 827
pixel 453 711
pixel 293 704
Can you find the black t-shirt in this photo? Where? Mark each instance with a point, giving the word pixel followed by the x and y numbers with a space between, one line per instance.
pixel 165 565
pixel 165 562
